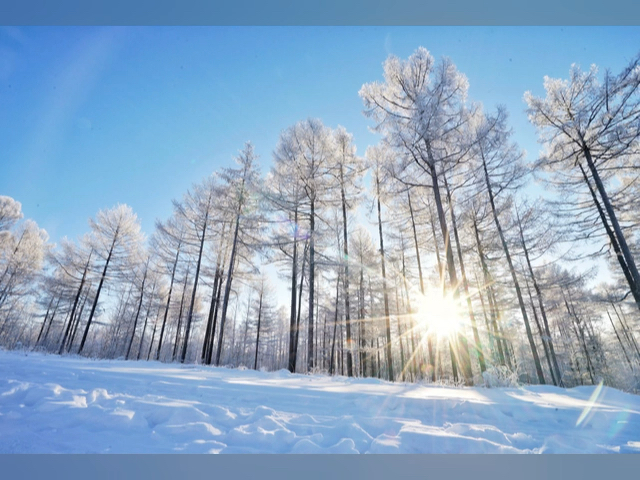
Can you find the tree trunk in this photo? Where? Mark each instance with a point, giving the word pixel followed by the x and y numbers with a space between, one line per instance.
pixel 363 337
pixel 166 310
pixel 95 301
pixel 75 304
pixel 185 345
pixel 176 343
pixel 299 313
pixel 146 317
pixel 335 326
pixel 505 248
pixel 431 367
pixel 46 317
pixel 346 275
pixel 547 340
pixel 312 252
pixel 476 337
pixel 255 362
pixel 626 252
pixel 384 288
pixel 461 348
pixel 544 343
pixel 77 320
pixel 624 350
pixel 291 364
pixel 227 288
pixel 135 322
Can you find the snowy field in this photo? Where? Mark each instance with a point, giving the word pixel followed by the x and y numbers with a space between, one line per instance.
pixel 51 404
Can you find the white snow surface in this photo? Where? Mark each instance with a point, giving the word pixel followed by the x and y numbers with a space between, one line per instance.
pixel 52 404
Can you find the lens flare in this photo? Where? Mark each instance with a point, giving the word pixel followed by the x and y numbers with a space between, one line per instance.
pixel 440 314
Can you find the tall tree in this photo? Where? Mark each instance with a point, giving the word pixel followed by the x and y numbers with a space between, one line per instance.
pixel 585 121
pixel 347 169
pixel 115 236
pixel 241 185
pixel 420 110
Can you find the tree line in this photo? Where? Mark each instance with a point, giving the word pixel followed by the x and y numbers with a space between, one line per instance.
pixel 432 257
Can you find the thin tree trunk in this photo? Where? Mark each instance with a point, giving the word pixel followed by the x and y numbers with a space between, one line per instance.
pixel 299 313
pixel 312 252
pixel 293 337
pixel 363 338
pixel 476 337
pixel 490 331
pixel 77 320
pixel 579 336
pixel 624 350
pixel 624 248
pixel 135 322
pixel 185 345
pixel 166 310
pixel 505 248
pixel 53 316
pixel 403 364
pixel 612 238
pixel 547 340
pixel 346 274
pixel 335 325
pixel 384 288
pixel 227 288
pixel 178 328
pixel 146 317
pixel 153 335
pixel 461 347
pixel 544 344
pixel 46 317
pixel 75 304
pixel 207 344
pixel 625 329
pixel 431 366
pixel 95 301
pixel 255 362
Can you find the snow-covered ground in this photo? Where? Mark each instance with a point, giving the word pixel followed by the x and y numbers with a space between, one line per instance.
pixel 69 404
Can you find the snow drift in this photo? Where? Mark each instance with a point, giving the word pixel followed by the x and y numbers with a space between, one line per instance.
pixel 51 404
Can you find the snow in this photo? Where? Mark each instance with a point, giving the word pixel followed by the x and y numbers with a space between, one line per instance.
pixel 52 404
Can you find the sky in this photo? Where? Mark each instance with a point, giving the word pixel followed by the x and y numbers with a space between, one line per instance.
pixel 95 116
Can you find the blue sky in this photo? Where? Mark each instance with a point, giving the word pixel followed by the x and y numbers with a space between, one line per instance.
pixel 95 116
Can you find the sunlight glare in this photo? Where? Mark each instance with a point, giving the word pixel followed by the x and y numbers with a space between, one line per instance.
pixel 440 314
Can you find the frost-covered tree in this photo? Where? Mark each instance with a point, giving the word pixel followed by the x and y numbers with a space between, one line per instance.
pixel 197 211
pixel 168 243
pixel 23 247
pixel 420 110
pixel 241 186
pixel 116 238
pixel 304 152
pixel 10 213
pixel 347 170
pixel 591 128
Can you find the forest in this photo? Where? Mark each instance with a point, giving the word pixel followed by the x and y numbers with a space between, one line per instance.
pixel 441 255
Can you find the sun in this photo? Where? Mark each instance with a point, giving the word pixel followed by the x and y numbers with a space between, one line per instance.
pixel 438 313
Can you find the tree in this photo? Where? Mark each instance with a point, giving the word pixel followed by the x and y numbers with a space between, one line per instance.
pixel 23 247
pixel 241 186
pixel 304 151
pixel 115 237
pixel 499 164
pixel 582 121
pixel 420 110
pixel 168 243
pixel 347 169
pixel 377 157
pixel 197 210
